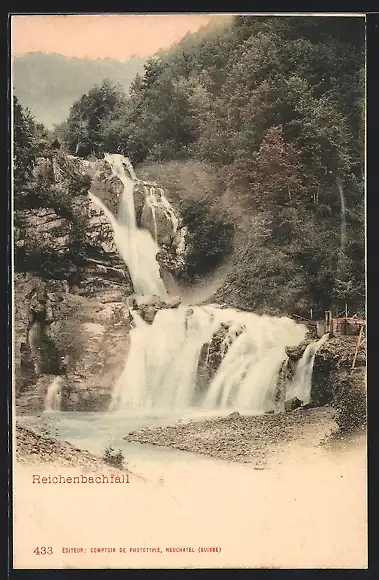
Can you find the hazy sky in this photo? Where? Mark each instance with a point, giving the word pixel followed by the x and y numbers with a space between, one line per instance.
pixel 109 35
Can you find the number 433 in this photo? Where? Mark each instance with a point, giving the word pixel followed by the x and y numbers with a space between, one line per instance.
pixel 42 550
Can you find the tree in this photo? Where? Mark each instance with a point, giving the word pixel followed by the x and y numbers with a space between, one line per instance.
pixel 276 173
pixel 25 143
pixel 84 130
pixel 161 124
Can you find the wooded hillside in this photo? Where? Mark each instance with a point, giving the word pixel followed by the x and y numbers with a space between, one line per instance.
pixel 257 131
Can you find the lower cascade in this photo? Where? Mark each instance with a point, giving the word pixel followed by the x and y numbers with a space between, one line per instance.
pixel 54 395
pixel 161 370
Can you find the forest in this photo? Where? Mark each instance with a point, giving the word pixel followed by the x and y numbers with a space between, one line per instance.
pixel 255 129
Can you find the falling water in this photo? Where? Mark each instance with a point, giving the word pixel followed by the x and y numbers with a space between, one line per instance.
pixel 343 216
pixel 54 395
pixel 157 200
pixel 153 215
pixel 301 384
pixel 161 369
pixel 135 246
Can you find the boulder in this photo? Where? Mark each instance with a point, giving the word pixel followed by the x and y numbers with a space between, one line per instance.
pixel 107 188
pixel 158 223
pixel 143 301
pixel 148 306
pixel 148 313
pixel 234 415
pixel 139 195
pixel 155 301
pixel 292 404
pixel 212 353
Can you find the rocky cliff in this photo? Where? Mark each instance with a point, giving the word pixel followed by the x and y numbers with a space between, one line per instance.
pixel 334 381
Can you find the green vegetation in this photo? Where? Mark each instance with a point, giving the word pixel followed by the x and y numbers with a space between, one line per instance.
pixel 114 458
pixel 87 127
pixel 29 140
pixel 350 402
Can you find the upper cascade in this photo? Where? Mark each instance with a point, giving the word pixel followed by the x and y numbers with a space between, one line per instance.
pixel 143 221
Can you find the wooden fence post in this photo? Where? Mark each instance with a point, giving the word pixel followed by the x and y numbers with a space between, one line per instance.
pixel 357 347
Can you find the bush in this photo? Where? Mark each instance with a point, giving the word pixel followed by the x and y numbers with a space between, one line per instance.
pixel 196 191
pixel 114 458
pixel 350 403
pixel 211 237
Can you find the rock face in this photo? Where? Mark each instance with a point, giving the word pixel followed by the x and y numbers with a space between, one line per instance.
pixel 59 232
pixel 107 188
pixel 43 229
pixel 80 339
pixel 333 381
pixel 212 355
pixel 350 401
pixel 336 383
pixel 157 217
pixel 286 374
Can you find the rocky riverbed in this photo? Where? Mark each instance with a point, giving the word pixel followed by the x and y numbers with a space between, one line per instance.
pixel 258 440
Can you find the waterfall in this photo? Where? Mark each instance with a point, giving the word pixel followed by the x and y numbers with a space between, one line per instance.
pixel 135 246
pixel 153 215
pixel 301 384
pixel 343 217
pixel 54 395
pixel 157 199
pixel 161 367
pixel 166 357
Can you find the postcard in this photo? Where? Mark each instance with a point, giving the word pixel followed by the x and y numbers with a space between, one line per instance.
pixel 189 291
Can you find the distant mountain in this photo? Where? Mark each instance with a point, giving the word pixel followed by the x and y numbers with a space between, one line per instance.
pixel 48 84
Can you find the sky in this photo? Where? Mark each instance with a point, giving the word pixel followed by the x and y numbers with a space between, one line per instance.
pixel 117 36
